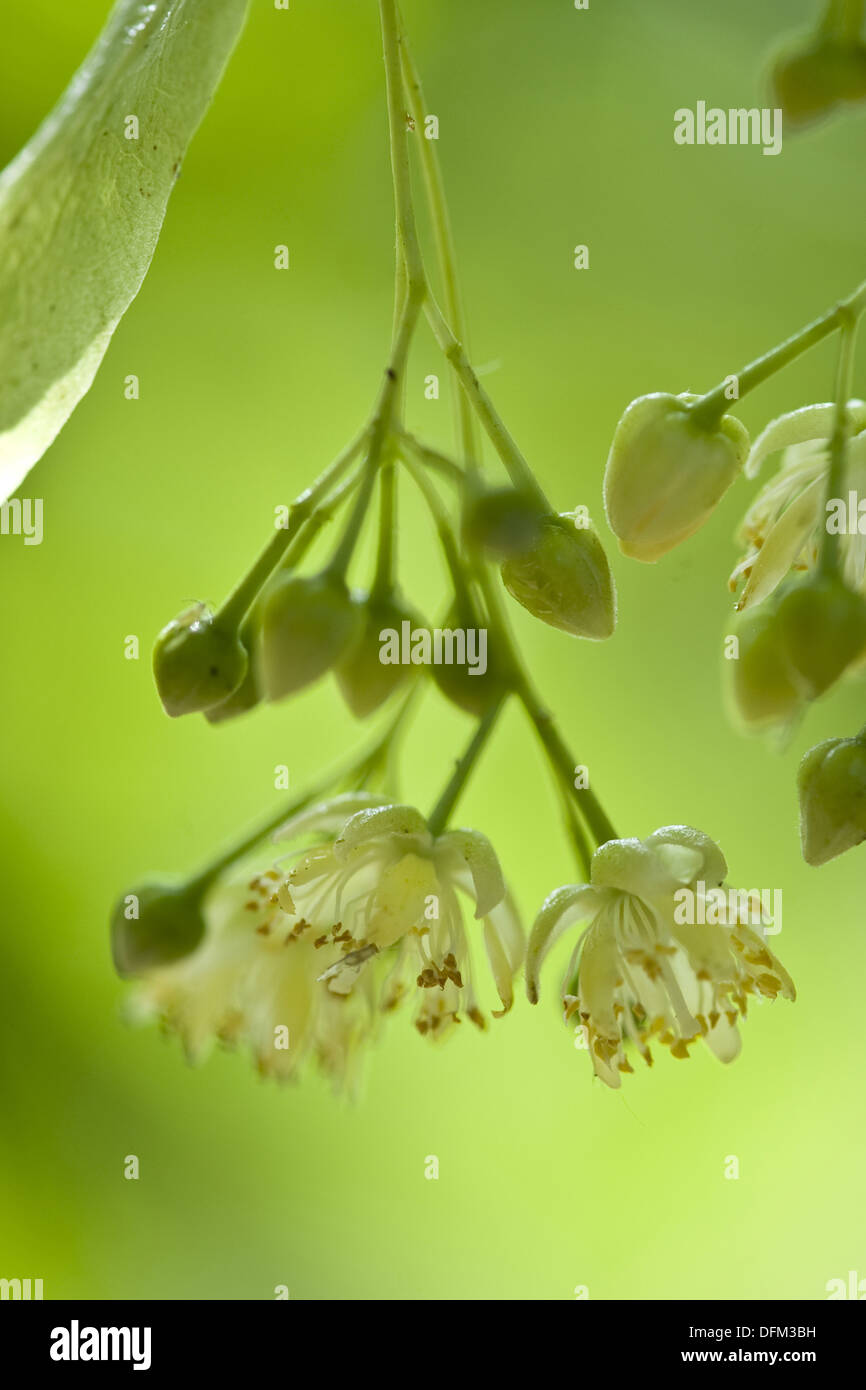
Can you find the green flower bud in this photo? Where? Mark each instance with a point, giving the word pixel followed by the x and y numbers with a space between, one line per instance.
pixel 803 85
pixel 249 692
pixel 832 785
pixel 823 626
pixel 474 694
pixel 154 925
pixel 196 662
pixel 502 521
pixel 666 473
pixel 808 82
pixel 365 681
pixel 764 687
pixel 245 698
pixel 307 624
pixel 564 579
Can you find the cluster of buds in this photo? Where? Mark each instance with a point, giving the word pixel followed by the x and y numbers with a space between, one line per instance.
pixel 300 627
pixel 304 959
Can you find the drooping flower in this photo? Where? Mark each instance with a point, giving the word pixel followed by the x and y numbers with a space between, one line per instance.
pixel 386 884
pixel 304 962
pixel 646 967
pixel 793 647
pixel 782 530
pixel 831 782
pixel 254 982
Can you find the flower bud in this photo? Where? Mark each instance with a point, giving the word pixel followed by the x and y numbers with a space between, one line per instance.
pixel 666 473
pixel 502 520
pixel 307 624
pixel 365 680
pixel 473 693
pixel 249 692
pixel 564 579
pixel 154 925
pixel 764 687
pixel 241 701
pixel 832 785
pixel 823 627
pixel 196 662
pixel 808 82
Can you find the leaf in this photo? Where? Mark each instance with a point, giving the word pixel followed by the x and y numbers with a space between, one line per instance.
pixel 81 207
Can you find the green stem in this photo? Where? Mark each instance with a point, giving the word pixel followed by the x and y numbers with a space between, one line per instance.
pixel 244 594
pixel 842 19
pixel 356 770
pixel 319 518
pixel 562 763
pixel 380 427
pixel 442 811
pixel 433 458
pixel 444 237
pixel 410 283
pixel 384 577
pixel 829 557
pixel 519 470
pixel 561 760
pixel 709 409
pixel 575 832
pixel 407 233
pixel 447 539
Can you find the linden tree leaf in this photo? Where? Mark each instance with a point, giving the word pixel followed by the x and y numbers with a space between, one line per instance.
pixel 82 205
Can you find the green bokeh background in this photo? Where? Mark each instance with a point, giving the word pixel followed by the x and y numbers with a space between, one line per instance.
pixel 556 128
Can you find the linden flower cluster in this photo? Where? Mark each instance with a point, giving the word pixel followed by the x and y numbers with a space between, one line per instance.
pixel 302 963
pixel 800 624
pixel 638 973
pixel 803 624
pixel 366 911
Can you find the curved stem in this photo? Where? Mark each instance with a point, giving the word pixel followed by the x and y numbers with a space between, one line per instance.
pixel 433 458
pixel 519 470
pixel 829 557
pixel 563 764
pixel 411 285
pixel 319 518
pixel 442 811
pixel 842 19
pixel 561 760
pixel 246 591
pixel 709 409
pixel 357 768
pixel 407 233
pixel 575 831
pixel 445 248
pixel 447 538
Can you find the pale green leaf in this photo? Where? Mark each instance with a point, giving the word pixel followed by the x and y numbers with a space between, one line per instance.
pixel 81 207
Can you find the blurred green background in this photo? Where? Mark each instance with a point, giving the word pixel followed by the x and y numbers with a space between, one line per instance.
pixel 556 129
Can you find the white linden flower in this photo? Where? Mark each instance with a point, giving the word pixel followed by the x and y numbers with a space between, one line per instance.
pixel 386 882
pixel 305 962
pixel 636 972
pixel 254 981
pixel 783 527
